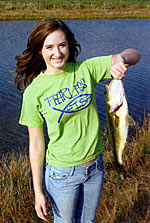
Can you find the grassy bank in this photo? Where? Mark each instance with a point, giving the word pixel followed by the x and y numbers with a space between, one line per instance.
pixel 121 202
pixel 75 9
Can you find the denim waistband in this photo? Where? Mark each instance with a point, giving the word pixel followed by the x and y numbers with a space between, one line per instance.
pixel 98 160
pixel 91 165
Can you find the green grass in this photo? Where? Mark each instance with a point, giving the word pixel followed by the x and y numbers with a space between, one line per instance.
pixel 74 9
pixel 121 202
pixel 80 4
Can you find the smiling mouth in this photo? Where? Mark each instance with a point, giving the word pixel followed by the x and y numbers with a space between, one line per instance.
pixel 58 59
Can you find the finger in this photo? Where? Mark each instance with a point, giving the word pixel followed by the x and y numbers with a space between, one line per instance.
pixel 118 72
pixel 121 77
pixel 41 214
pixel 124 67
pixel 121 66
pixel 117 75
pixel 119 69
pixel 44 210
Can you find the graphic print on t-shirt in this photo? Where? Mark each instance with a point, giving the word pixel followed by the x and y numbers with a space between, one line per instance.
pixel 76 102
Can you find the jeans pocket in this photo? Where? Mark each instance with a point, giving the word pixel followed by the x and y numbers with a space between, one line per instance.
pixel 57 173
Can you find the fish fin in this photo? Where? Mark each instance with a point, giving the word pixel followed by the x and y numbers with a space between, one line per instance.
pixel 130 120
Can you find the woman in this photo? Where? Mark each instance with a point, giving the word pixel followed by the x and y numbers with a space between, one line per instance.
pixel 60 91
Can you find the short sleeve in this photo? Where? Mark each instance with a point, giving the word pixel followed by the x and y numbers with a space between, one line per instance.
pixel 99 68
pixel 30 116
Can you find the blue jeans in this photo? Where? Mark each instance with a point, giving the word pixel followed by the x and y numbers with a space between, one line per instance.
pixel 74 192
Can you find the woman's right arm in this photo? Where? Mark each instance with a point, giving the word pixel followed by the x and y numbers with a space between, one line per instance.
pixel 37 153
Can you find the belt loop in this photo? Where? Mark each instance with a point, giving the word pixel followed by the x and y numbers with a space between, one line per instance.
pixel 86 171
pixel 96 164
pixel 72 170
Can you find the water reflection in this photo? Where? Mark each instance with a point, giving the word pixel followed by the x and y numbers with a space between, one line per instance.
pixel 97 37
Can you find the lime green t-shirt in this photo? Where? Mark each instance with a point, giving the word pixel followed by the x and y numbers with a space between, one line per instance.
pixel 66 101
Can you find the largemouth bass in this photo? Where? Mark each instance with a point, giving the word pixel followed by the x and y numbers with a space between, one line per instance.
pixel 118 121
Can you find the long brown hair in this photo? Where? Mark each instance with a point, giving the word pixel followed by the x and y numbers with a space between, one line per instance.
pixel 31 62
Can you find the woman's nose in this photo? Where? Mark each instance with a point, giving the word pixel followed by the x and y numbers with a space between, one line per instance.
pixel 57 51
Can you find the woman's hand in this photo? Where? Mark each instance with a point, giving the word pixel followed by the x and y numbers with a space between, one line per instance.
pixel 121 61
pixel 118 68
pixel 40 206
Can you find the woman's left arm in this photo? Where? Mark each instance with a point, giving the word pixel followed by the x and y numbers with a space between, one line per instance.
pixel 121 61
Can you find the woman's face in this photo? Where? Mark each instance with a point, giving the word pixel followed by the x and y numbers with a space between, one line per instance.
pixel 55 52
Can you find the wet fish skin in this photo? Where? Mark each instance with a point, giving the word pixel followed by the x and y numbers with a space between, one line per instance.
pixel 118 120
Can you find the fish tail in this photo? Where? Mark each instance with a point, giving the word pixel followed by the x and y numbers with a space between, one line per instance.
pixel 121 171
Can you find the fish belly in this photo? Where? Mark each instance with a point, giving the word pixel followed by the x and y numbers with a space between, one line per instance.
pixel 121 132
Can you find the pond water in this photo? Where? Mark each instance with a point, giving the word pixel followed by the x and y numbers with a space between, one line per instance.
pixel 97 38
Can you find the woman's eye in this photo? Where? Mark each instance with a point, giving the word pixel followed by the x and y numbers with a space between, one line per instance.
pixel 63 45
pixel 49 47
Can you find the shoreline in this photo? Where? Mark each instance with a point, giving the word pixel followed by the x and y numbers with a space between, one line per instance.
pixel 10 15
